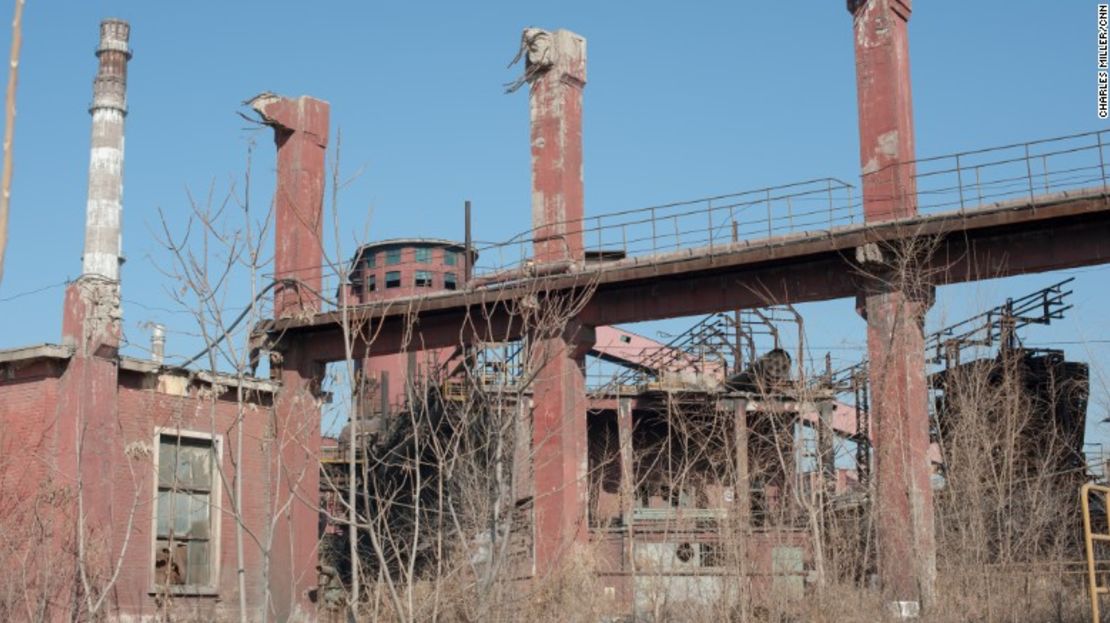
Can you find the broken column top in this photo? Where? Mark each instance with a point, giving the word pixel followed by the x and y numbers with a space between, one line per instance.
pixel 293 114
pixel 902 7
pixel 562 52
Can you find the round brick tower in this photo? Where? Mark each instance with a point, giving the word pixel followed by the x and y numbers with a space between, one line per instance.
pixel 390 269
pixel 406 267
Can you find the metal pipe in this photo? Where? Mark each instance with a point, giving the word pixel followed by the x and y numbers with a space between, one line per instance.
pixel 157 343
pixel 468 269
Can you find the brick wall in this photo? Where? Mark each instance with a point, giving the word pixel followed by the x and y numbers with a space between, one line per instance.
pixel 30 454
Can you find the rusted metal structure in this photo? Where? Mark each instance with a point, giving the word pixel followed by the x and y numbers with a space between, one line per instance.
pixel 681 260
pixel 951 219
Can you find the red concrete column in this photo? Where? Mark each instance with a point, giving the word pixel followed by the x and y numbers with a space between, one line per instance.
pixel 559 450
pixel 885 107
pixel 555 66
pixel 295 482
pixel 900 430
pixel 301 134
pixel 894 306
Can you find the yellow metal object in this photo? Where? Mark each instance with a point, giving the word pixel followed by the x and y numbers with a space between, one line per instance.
pixel 1089 538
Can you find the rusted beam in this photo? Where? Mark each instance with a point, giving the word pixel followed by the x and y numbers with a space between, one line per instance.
pixel 1060 232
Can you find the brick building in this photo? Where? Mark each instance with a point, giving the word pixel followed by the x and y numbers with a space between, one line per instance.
pixel 131 489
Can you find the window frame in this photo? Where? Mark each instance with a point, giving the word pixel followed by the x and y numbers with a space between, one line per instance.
pixel 393 257
pixel 422 278
pixel 370 284
pixel 215 500
pixel 396 283
pixel 422 255
pixel 450 258
pixel 450 281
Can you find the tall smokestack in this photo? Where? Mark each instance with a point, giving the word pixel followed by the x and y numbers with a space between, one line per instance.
pixel 157 342
pixel 105 198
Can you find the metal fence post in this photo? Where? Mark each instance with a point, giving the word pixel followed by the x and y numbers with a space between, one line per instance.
pixel 599 245
pixel 709 213
pixel 653 230
pixel 769 234
pixel 960 181
pixel 1101 162
pixel 828 184
pixel 1029 175
pixel 978 186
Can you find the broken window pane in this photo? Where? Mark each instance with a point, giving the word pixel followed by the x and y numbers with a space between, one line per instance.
pixel 169 563
pixel 183 524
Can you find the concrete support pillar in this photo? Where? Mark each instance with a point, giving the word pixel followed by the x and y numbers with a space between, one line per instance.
pixel 894 305
pixel 559 450
pixel 294 483
pixel 826 453
pixel 628 484
pixel 742 499
pixel 742 485
pixel 628 480
pixel 555 68
pixel 301 134
pixel 900 429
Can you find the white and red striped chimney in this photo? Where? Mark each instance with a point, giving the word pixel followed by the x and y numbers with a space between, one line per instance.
pixel 104 208
pixel 90 318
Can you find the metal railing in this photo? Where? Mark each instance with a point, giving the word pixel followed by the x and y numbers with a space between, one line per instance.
pixel 1031 173
pixel 1028 172
pixel 710 223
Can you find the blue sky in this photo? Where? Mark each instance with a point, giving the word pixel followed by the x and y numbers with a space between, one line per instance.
pixel 684 100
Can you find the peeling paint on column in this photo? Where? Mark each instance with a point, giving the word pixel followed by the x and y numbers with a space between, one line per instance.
pixel 903 499
pixel 301 135
pixel 555 68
